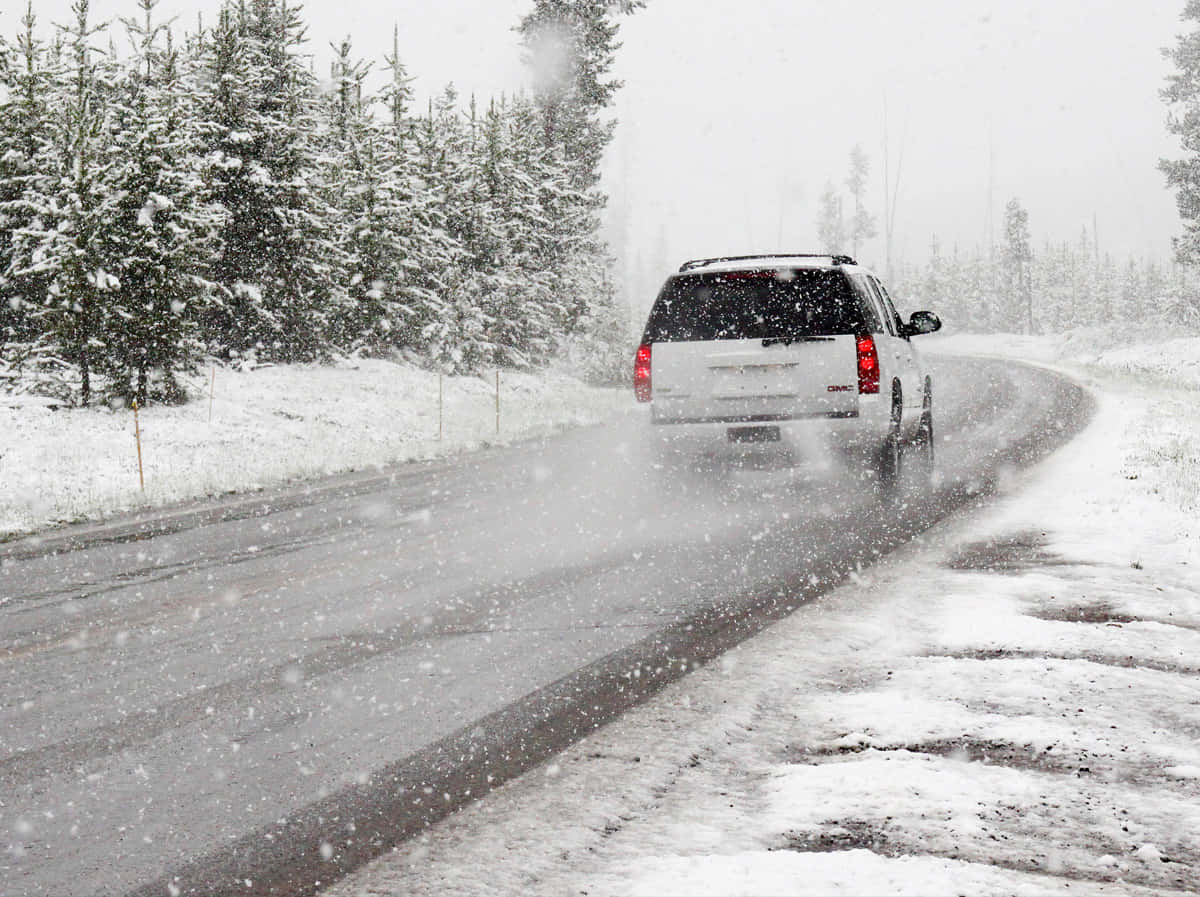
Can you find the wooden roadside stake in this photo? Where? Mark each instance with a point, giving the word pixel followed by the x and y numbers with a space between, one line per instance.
pixel 441 405
pixel 212 388
pixel 137 435
pixel 497 401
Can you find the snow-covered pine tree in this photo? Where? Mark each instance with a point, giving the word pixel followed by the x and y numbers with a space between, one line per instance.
pixel 1182 96
pixel 277 261
pixel 1154 289
pixel 24 131
pixel 476 220
pixel 1131 307
pixel 977 293
pixel 162 232
pixel 1052 284
pixel 71 203
pixel 1016 270
pixel 590 322
pixel 862 224
pixel 831 224
pixel 456 339
pixel 571 46
pixel 415 212
pixel 953 302
pixel 1108 290
pixel 356 181
pixel 1084 281
pixel 934 288
pixel 1180 309
pixel 527 317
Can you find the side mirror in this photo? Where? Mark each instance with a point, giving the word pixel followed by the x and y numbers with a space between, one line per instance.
pixel 922 322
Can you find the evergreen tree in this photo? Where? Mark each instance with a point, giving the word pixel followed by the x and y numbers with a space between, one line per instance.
pixel 161 232
pixel 1017 269
pixel 977 294
pixel 69 205
pixel 279 268
pixel 1182 96
pixel 862 225
pixel 1053 275
pixel 454 330
pixel 1108 291
pixel 24 133
pixel 1154 288
pixel 831 225
pixel 1132 306
pixel 1180 309
pixel 933 291
pixel 571 46
pixel 356 180
pixel 522 306
pixel 412 206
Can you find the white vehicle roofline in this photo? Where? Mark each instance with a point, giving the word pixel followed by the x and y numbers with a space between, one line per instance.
pixel 766 262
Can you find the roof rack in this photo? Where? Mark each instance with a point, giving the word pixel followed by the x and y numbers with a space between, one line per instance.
pixel 701 263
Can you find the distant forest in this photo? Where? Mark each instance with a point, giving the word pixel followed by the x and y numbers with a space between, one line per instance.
pixel 165 200
pixel 1013 286
pixel 1053 288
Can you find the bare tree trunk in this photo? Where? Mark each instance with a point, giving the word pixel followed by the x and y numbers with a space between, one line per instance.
pixel 85 374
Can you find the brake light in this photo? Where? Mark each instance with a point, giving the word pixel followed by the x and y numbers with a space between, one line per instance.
pixel 641 373
pixel 748 275
pixel 868 364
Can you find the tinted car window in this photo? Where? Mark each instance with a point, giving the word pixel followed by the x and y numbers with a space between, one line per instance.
pixel 754 305
pixel 889 306
pixel 874 301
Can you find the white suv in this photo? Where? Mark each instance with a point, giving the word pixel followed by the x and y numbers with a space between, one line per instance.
pixel 785 355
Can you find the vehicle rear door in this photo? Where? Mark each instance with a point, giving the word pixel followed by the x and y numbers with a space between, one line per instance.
pixel 895 352
pixel 754 346
pixel 912 376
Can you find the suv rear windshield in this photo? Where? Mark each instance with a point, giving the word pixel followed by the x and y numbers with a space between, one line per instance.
pixel 754 305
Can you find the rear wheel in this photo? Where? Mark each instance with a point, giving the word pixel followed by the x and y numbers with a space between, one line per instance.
pixel 924 443
pixel 890 458
pixel 889 461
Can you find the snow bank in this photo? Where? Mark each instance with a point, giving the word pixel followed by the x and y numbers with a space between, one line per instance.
pixel 268 426
pixel 1166 360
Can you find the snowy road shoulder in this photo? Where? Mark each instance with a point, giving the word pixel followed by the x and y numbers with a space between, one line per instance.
pixel 254 429
pixel 1011 706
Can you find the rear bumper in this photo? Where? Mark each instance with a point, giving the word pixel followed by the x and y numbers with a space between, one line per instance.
pixel 814 437
pixel 753 418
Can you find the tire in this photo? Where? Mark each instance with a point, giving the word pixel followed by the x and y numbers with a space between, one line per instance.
pixel 924 442
pixel 889 462
pixel 924 446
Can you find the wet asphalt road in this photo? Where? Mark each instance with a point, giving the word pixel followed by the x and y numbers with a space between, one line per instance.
pixel 257 696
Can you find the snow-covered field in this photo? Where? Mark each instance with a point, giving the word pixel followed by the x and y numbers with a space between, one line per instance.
pixel 267 426
pixel 1009 706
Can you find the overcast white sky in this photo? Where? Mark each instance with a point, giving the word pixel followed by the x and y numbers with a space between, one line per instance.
pixel 736 112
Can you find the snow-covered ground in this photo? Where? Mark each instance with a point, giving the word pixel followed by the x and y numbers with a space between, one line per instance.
pixel 1009 706
pixel 267 426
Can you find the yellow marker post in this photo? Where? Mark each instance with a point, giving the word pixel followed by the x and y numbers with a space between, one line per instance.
pixel 137 434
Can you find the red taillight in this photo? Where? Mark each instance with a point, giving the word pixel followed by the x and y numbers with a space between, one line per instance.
pixel 641 373
pixel 748 275
pixel 868 365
